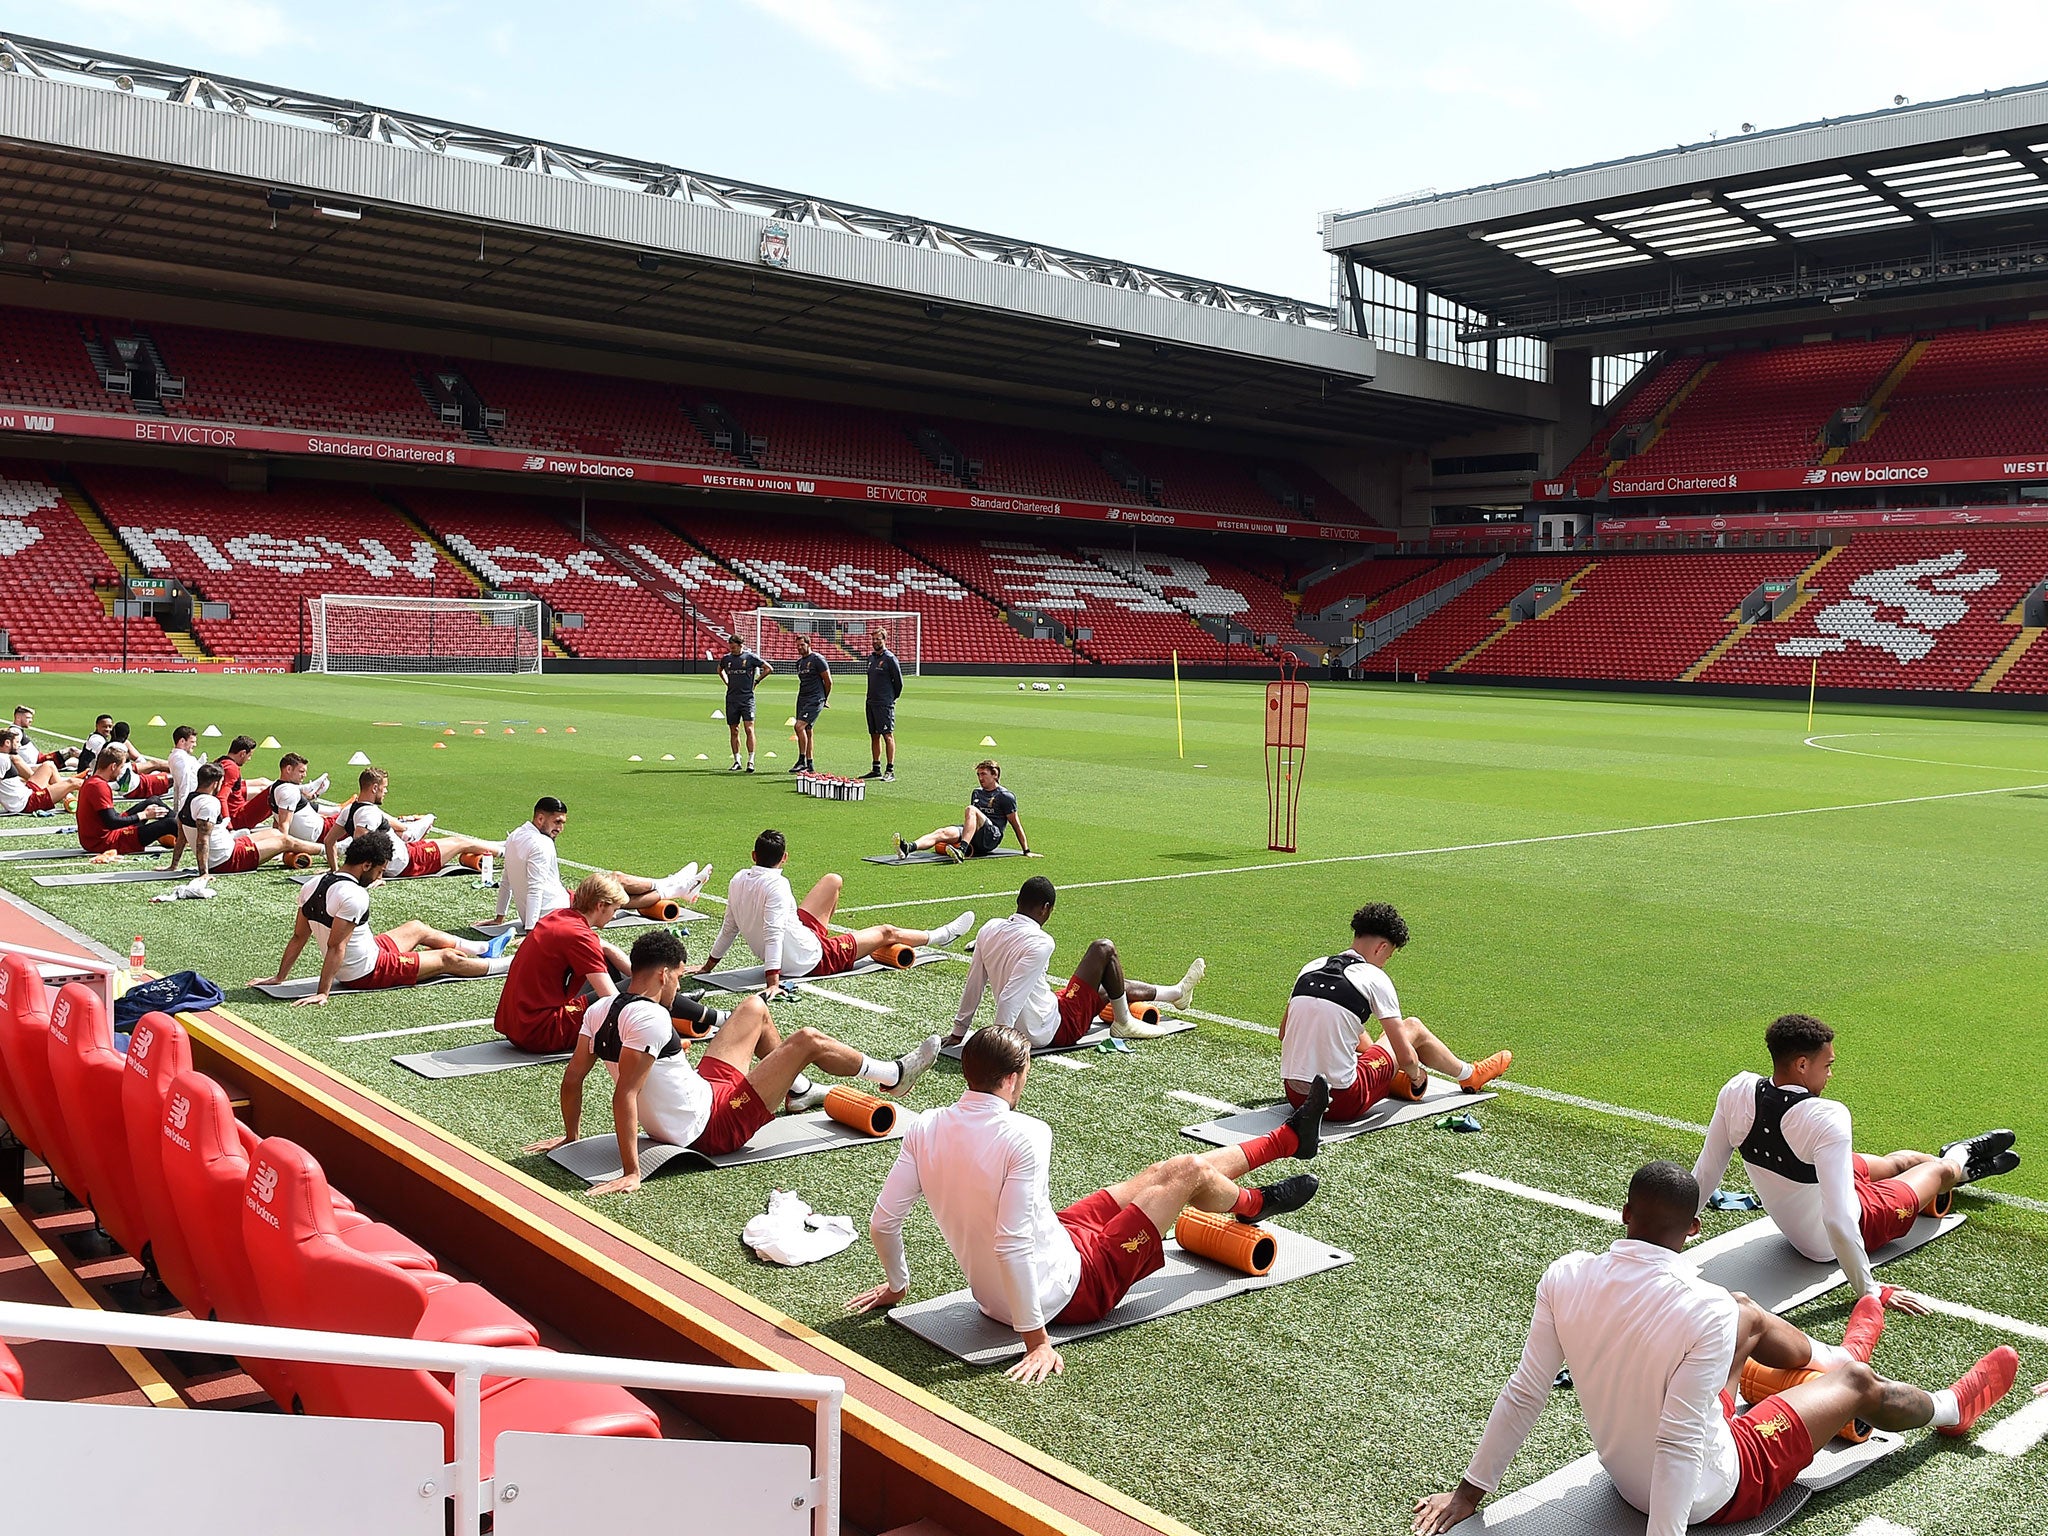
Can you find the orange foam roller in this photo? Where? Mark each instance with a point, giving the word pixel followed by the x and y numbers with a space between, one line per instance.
pixel 297 860
pixel 1759 1382
pixel 1144 1013
pixel 863 1111
pixel 663 910
pixel 1248 1250
pixel 902 956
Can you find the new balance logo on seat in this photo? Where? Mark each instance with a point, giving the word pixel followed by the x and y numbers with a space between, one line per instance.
pixel 263 1183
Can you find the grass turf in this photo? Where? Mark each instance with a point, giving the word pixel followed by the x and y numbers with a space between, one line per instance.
pixel 1635 969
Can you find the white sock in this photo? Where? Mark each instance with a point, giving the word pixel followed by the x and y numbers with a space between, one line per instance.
pixel 951 931
pixel 1947 1412
pixel 471 946
pixel 1958 1156
pixel 672 887
pixel 884 1074
pixel 500 965
pixel 750 759
pixel 800 1087
pixel 1120 1009
pixel 1462 1071
pixel 1827 1356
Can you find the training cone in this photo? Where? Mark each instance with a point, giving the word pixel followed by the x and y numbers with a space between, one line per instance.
pixel 790 721
pixel 668 757
pixel 449 732
pixel 767 754
pixel 702 758
pixel 478 731
pixel 988 741
pixel 634 758
pixel 569 730
pixel 269 742
pixel 440 746
pixel 156 720
pixel 360 760
pixel 718 714
pixel 540 730
pixel 211 730
pixel 510 732
pixel 861 1111
pixel 1248 1250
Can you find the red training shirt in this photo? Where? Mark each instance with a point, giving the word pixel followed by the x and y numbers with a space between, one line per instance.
pixel 546 976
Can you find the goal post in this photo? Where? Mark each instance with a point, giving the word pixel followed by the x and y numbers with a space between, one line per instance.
pixel 364 633
pixel 771 633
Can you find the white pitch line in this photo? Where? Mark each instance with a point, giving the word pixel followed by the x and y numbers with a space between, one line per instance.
pixel 1065 1061
pixel 1203 1101
pixel 417 1029
pixel 1542 1196
pixel 1985 1319
pixel 1893 757
pixel 814 990
pixel 1505 842
pixel 2017 1433
pixel 1877 1525
pixel 1619 1111
pixel 1224 1018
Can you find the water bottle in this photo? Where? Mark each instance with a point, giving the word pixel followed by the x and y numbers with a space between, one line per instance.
pixel 137 960
pixel 489 870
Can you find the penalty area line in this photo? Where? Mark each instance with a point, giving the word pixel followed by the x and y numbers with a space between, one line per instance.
pixel 2017 1433
pixel 1485 847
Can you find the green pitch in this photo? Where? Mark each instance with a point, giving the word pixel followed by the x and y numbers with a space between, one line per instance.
pixel 1624 891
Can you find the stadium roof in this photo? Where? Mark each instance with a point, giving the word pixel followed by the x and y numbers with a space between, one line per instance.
pixel 1932 200
pixel 123 172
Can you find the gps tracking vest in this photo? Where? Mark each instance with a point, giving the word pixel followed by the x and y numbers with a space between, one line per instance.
pixel 316 904
pixel 1329 983
pixel 1765 1145
pixel 607 1045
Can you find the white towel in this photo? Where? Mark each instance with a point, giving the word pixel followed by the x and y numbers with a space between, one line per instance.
pixel 191 890
pixel 790 1232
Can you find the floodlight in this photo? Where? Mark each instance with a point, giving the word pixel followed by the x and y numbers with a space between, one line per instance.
pixel 647 262
pixel 1104 341
pixel 347 211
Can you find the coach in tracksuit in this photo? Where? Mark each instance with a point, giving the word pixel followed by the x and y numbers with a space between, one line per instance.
pixel 885 687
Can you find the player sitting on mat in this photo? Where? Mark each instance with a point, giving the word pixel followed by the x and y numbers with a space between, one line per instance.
pixel 1657 1355
pixel 983 1167
pixel 101 828
pixel 413 852
pixel 89 753
pixel 29 788
pixel 335 909
pixel 235 789
pixel 531 885
pixel 1325 1030
pixel 287 803
pixel 990 809
pixel 202 825
pixel 794 940
pixel 144 775
pixel 1832 1203
pixel 718 1105
pixel 1011 955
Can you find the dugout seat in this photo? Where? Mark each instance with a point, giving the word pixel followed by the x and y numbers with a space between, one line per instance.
pixel 11 1110
pixel 25 1035
pixel 11 1384
pixel 158 1051
pixel 87 1072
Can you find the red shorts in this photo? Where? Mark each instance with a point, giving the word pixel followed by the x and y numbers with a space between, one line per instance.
pixel 243 859
pixel 555 1033
pixel 422 858
pixel 736 1109
pixel 1375 1080
pixel 1772 1448
pixel 151 785
pixel 1889 1207
pixel 840 952
pixel 394 968
pixel 125 840
pixel 1080 1009
pixel 38 800
pixel 1119 1246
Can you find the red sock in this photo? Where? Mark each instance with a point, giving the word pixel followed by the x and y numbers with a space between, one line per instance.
pixel 1261 1150
pixel 1866 1325
pixel 1250 1202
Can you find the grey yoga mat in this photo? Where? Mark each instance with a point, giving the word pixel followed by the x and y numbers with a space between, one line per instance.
pixel 933 856
pixel 31 855
pixel 496 1055
pixel 1756 1259
pixel 1439 1098
pixel 595 1159
pixel 753 978
pixel 955 1324
pixel 306 986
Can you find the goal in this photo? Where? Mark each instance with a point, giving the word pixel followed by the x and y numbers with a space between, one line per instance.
pixel 355 632
pixel 835 632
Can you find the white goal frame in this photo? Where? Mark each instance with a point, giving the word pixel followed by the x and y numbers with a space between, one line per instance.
pixel 848 627
pixel 361 632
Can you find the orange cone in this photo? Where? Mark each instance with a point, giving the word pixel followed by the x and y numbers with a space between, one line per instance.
pixel 477 732
pixel 862 1111
pixel 540 730
pixel 440 746
pixel 1248 1250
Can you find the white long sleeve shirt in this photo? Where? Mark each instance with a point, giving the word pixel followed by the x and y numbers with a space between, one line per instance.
pixel 1823 1220
pixel 761 908
pixel 531 880
pixel 1011 955
pixel 982 1168
pixel 1650 1346
pixel 184 776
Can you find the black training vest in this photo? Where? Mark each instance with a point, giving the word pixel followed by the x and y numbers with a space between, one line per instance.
pixel 1765 1145
pixel 606 1042
pixel 348 817
pixel 315 906
pixel 1329 983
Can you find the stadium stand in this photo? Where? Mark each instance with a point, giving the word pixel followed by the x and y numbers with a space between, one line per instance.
pixel 1125 623
pixel 1645 617
pixel 559 412
pixel 1763 410
pixel 265 554
pixel 815 564
pixel 43 361
pixel 1907 608
pixel 1660 384
pixel 309 386
pixel 671 563
pixel 1439 641
pixel 52 577
pixel 1968 394
pixel 1020 462
pixel 523 546
pixel 1422 583
pixel 1206 587
pixel 1367 579
pixel 810 437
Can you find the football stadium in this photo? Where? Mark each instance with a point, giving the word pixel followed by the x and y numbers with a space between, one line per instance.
pixel 1516 1007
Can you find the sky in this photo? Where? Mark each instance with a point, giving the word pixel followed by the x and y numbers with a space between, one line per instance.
pixel 1200 136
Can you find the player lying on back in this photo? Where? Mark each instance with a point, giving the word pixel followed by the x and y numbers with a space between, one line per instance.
pixel 1657 1357
pixel 1829 1201
pixel 29 788
pixel 288 802
pixel 202 825
pixel 983 1168
pixel 793 939
pixel 1326 1030
pixel 717 1106
pixel 335 910
pixel 413 852
pixel 1011 956
pixel 101 828
pixel 991 809
pixel 530 885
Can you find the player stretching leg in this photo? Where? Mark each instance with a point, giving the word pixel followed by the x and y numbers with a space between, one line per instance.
pixel 1831 1203
pixel 982 1166
pixel 29 788
pixel 1011 955
pixel 531 886
pixel 413 852
pixel 990 810
pixel 742 670
pixel 1656 1356
pixel 202 824
pixel 1325 1031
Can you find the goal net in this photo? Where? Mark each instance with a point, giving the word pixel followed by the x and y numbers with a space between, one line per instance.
pixel 837 634
pixel 353 632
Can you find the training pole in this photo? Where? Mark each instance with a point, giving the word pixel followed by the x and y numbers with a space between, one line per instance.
pixel 1812 685
pixel 1286 753
pixel 1179 734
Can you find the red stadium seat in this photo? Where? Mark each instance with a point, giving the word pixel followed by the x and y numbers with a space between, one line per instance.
pixel 158 1051
pixel 88 1073
pixel 25 1034
pixel 11 1382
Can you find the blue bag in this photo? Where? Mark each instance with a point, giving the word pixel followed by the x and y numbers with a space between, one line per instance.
pixel 179 992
